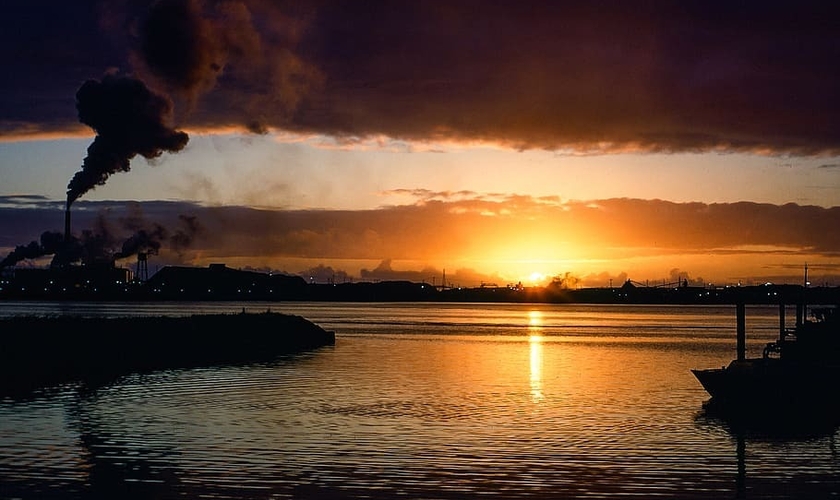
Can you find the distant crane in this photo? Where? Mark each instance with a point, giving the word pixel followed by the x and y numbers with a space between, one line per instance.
pixel 673 284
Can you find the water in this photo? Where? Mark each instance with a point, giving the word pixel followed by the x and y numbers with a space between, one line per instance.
pixel 421 401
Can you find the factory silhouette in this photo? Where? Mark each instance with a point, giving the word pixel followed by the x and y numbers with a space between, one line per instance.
pixel 85 268
pixel 103 280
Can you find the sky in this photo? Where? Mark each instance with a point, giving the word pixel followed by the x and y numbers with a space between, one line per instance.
pixel 493 141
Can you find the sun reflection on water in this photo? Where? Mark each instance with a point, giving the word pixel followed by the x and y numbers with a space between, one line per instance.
pixel 535 321
pixel 535 341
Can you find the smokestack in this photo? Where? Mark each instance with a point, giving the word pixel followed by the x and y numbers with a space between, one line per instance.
pixel 67 223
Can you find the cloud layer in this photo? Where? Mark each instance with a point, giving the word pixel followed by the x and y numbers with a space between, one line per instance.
pixel 490 234
pixel 614 76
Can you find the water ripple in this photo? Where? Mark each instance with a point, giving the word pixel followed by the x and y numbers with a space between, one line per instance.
pixel 453 414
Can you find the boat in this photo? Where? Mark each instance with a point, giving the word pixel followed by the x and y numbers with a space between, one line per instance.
pixel 800 371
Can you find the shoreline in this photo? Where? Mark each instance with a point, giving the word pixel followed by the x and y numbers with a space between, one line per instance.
pixel 40 351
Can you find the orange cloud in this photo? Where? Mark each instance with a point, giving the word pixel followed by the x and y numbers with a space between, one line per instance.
pixel 642 238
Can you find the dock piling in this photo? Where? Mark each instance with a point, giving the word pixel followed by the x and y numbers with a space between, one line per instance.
pixel 781 321
pixel 740 311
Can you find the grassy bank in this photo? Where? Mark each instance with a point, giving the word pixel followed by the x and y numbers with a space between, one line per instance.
pixel 39 351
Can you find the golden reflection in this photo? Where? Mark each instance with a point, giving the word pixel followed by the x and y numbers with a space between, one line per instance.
pixel 535 342
pixel 535 327
pixel 534 319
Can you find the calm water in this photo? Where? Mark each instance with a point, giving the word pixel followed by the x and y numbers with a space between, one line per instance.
pixel 421 401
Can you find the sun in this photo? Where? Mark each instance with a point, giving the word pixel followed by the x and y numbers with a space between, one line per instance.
pixel 536 278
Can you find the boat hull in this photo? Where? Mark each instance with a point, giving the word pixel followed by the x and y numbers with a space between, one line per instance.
pixel 771 382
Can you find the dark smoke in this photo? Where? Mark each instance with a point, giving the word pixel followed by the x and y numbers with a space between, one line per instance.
pixel 129 119
pixel 102 244
pixel 143 241
pixel 150 237
pixel 183 237
pixel 97 246
pixel 51 242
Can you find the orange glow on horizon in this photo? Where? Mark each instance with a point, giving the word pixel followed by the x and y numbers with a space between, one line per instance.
pixel 27 133
pixel 536 278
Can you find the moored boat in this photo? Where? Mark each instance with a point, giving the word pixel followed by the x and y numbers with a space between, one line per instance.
pixel 800 370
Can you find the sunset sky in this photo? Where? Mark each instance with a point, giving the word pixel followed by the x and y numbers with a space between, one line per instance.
pixel 501 141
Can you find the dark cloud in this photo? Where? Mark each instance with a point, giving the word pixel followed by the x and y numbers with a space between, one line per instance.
pixel 651 75
pixel 654 75
pixel 180 45
pixel 238 57
pixel 20 201
pixel 48 49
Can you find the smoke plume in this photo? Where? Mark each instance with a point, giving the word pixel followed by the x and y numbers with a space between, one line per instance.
pixel 50 243
pixel 184 236
pixel 129 119
pixel 104 243
pixel 143 241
